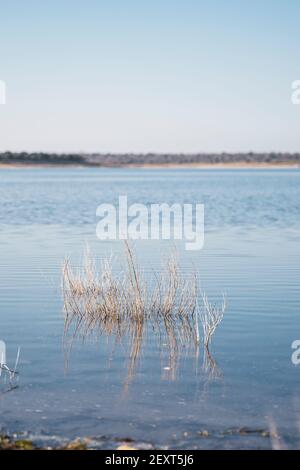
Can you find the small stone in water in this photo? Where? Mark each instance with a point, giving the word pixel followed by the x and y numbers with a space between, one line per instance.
pixel 203 433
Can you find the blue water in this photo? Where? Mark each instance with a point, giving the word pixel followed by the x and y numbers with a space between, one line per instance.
pixel 251 252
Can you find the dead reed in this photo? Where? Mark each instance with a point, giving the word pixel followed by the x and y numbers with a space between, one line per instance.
pixel 124 306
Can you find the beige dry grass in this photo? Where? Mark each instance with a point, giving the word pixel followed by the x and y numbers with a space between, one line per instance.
pixel 124 306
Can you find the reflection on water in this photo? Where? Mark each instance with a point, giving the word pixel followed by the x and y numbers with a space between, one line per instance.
pixel 122 306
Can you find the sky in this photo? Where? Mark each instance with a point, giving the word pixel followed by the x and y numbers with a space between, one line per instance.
pixel 149 76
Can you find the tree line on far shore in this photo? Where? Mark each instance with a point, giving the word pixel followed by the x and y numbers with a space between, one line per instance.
pixel 118 159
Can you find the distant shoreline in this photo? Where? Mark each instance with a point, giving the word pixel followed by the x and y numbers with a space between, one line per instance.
pixel 158 166
pixel 150 160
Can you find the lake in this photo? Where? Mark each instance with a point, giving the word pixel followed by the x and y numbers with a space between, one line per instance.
pixel 251 253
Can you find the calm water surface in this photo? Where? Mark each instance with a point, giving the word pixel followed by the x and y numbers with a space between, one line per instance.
pixel 251 252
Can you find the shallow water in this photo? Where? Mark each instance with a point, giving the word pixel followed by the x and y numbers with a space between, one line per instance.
pixel 251 252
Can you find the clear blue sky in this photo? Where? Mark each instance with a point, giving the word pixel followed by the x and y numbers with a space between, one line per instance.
pixel 160 75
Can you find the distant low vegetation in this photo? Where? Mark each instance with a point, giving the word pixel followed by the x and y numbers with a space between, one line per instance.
pixel 117 160
pixel 40 158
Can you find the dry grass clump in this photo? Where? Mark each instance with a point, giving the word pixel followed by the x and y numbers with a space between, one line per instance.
pixel 8 376
pixel 123 306
pixel 211 317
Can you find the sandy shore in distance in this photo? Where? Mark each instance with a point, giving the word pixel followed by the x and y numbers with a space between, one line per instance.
pixel 210 166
